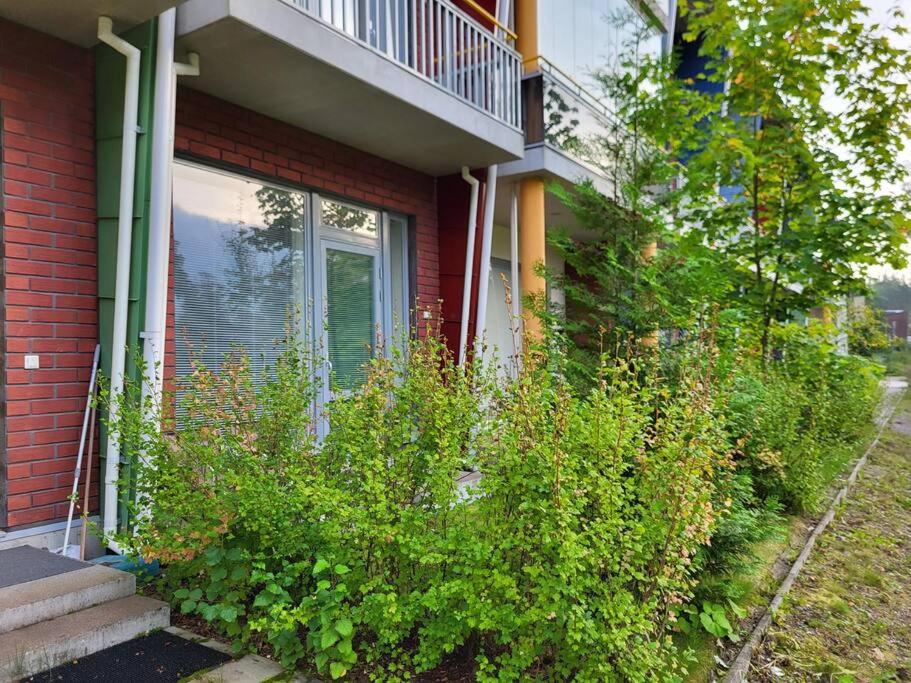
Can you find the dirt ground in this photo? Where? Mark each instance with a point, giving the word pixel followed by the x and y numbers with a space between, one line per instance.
pixel 848 616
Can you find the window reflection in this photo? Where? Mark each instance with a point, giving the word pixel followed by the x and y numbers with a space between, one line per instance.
pixel 238 267
pixel 345 217
pixel 585 36
pixel 350 314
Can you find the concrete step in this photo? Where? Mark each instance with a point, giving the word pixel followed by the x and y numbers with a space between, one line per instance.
pixel 43 645
pixel 47 598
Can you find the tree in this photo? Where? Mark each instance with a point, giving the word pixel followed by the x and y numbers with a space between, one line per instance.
pixel 618 292
pixel 804 137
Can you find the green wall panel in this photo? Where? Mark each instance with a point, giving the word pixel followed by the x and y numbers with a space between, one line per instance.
pixel 110 71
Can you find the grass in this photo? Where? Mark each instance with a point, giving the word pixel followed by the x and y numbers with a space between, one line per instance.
pixel 848 617
pixel 753 587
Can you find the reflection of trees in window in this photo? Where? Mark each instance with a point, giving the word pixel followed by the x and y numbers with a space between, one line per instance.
pixel 240 290
pixel 350 315
pixel 348 217
pixel 579 123
pixel 561 121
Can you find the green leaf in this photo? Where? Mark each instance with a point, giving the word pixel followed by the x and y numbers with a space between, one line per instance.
pixel 219 573
pixel 337 670
pixel 181 593
pixel 229 613
pixel 195 594
pixel 344 627
pixel 341 569
pixel 320 566
pixel 328 639
pixel 738 611
pixel 213 556
pixel 187 606
pixel 264 599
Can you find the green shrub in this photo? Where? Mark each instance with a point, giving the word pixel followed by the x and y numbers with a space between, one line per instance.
pixel 569 558
pixel 797 419
pixel 600 516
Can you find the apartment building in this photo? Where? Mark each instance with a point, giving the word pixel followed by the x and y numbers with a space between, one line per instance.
pixel 177 177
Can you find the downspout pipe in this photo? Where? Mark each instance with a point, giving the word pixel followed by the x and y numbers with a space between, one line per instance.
pixel 162 157
pixel 516 292
pixel 469 259
pixel 490 196
pixel 159 216
pixel 122 280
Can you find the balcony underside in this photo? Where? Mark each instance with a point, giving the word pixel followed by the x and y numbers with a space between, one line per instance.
pixel 275 59
pixel 76 21
pixel 553 166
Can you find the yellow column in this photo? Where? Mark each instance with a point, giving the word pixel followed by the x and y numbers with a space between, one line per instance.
pixel 531 244
pixel 527 30
pixel 648 253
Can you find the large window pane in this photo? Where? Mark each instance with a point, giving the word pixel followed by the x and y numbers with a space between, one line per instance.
pixel 350 283
pixel 585 36
pixel 238 266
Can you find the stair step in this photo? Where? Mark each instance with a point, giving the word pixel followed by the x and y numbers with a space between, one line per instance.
pixel 47 598
pixel 43 645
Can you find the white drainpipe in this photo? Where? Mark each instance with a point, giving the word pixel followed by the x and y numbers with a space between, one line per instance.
pixel 124 236
pixel 469 260
pixel 490 195
pixel 159 215
pixel 514 271
pixel 153 335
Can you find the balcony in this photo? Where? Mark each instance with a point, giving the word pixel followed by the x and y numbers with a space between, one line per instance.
pixel 415 81
pixel 565 126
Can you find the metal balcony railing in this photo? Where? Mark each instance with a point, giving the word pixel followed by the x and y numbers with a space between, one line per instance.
pixel 438 41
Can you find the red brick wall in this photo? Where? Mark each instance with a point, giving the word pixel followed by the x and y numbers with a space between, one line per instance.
pixel 213 130
pixel 49 277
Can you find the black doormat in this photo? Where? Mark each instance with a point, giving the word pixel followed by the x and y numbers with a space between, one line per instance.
pixel 25 563
pixel 158 657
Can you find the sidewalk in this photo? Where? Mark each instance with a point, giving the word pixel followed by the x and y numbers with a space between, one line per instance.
pixel 848 616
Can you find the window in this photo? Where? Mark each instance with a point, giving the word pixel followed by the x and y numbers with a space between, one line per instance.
pixel 345 217
pixel 238 266
pixel 350 314
pixel 584 36
pixel 248 259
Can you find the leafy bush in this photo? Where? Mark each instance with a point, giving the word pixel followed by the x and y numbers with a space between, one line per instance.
pixel 568 558
pixel 798 418
pixel 867 330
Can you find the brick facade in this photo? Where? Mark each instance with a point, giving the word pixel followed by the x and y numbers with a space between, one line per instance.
pixel 49 242
pixel 48 261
